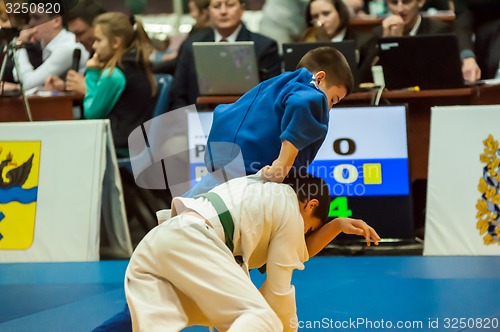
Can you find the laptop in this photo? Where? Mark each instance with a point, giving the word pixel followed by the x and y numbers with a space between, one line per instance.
pixel 225 68
pixel 428 61
pixel 293 52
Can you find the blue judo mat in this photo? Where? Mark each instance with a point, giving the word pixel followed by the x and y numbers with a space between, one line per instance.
pixel 395 293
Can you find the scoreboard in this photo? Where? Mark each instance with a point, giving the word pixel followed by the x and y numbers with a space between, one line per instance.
pixel 364 161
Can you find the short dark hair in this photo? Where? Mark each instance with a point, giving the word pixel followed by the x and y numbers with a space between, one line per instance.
pixel 86 10
pixel 331 61
pixel 242 2
pixel 59 7
pixel 308 187
pixel 16 19
pixel 201 4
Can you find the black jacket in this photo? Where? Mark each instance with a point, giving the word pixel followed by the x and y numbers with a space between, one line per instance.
pixel 136 103
pixel 487 49
pixel 482 19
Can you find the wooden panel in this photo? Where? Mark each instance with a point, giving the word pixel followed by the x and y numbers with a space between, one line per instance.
pixel 42 108
pixel 366 24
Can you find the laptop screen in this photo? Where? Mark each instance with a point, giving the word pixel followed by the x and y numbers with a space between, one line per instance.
pixel 293 52
pixel 427 61
pixel 225 68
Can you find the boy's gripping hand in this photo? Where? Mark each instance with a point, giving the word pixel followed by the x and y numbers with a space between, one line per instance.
pixel 282 165
pixel 273 173
pixel 358 227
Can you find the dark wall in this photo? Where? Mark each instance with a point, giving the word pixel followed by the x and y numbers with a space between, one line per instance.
pixel 164 6
pixel 153 6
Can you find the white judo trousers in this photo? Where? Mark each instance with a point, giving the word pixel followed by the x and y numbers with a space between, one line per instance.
pixel 183 274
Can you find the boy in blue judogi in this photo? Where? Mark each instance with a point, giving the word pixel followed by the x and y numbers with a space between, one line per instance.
pixel 279 124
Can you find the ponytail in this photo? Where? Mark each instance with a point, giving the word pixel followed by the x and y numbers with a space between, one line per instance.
pixel 143 46
pixel 133 36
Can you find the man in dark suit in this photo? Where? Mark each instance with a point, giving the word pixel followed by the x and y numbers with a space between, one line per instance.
pixel 225 16
pixel 405 20
pixel 481 19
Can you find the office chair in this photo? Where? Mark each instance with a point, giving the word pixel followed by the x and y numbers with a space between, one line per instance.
pixel 164 83
pixel 138 195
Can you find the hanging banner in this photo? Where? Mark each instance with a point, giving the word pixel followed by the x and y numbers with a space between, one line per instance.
pixel 51 191
pixel 463 194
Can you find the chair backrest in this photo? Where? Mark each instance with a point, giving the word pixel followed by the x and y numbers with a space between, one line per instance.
pixel 164 83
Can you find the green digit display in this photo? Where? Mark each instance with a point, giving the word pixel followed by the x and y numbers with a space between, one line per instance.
pixel 339 208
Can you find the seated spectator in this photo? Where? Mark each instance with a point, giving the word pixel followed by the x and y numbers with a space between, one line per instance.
pixel 34 50
pixel 198 9
pixel 477 26
pixel 120 84
pixel 328 20
pixel 58 46
pixel 225 16
pixel 122 88
pixel 79 21
pixel 405 19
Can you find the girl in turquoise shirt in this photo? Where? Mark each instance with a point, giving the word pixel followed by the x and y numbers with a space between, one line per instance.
pixel 120 84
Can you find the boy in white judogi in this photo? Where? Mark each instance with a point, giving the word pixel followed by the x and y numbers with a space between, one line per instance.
pixel 183 273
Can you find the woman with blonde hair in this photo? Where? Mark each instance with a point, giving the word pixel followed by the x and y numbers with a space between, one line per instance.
pixel 119 80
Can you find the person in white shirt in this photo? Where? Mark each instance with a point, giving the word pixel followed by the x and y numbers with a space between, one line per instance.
pixel 183 272
pixel 79 21
pixel 58 46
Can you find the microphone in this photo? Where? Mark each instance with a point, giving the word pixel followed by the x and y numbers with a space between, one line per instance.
pixel 75 65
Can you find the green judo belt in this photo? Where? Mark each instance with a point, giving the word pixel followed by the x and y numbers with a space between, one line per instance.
pixel 224 216
pixel 225 219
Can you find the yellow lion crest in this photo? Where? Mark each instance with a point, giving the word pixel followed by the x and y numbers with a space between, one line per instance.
pixel 487 206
